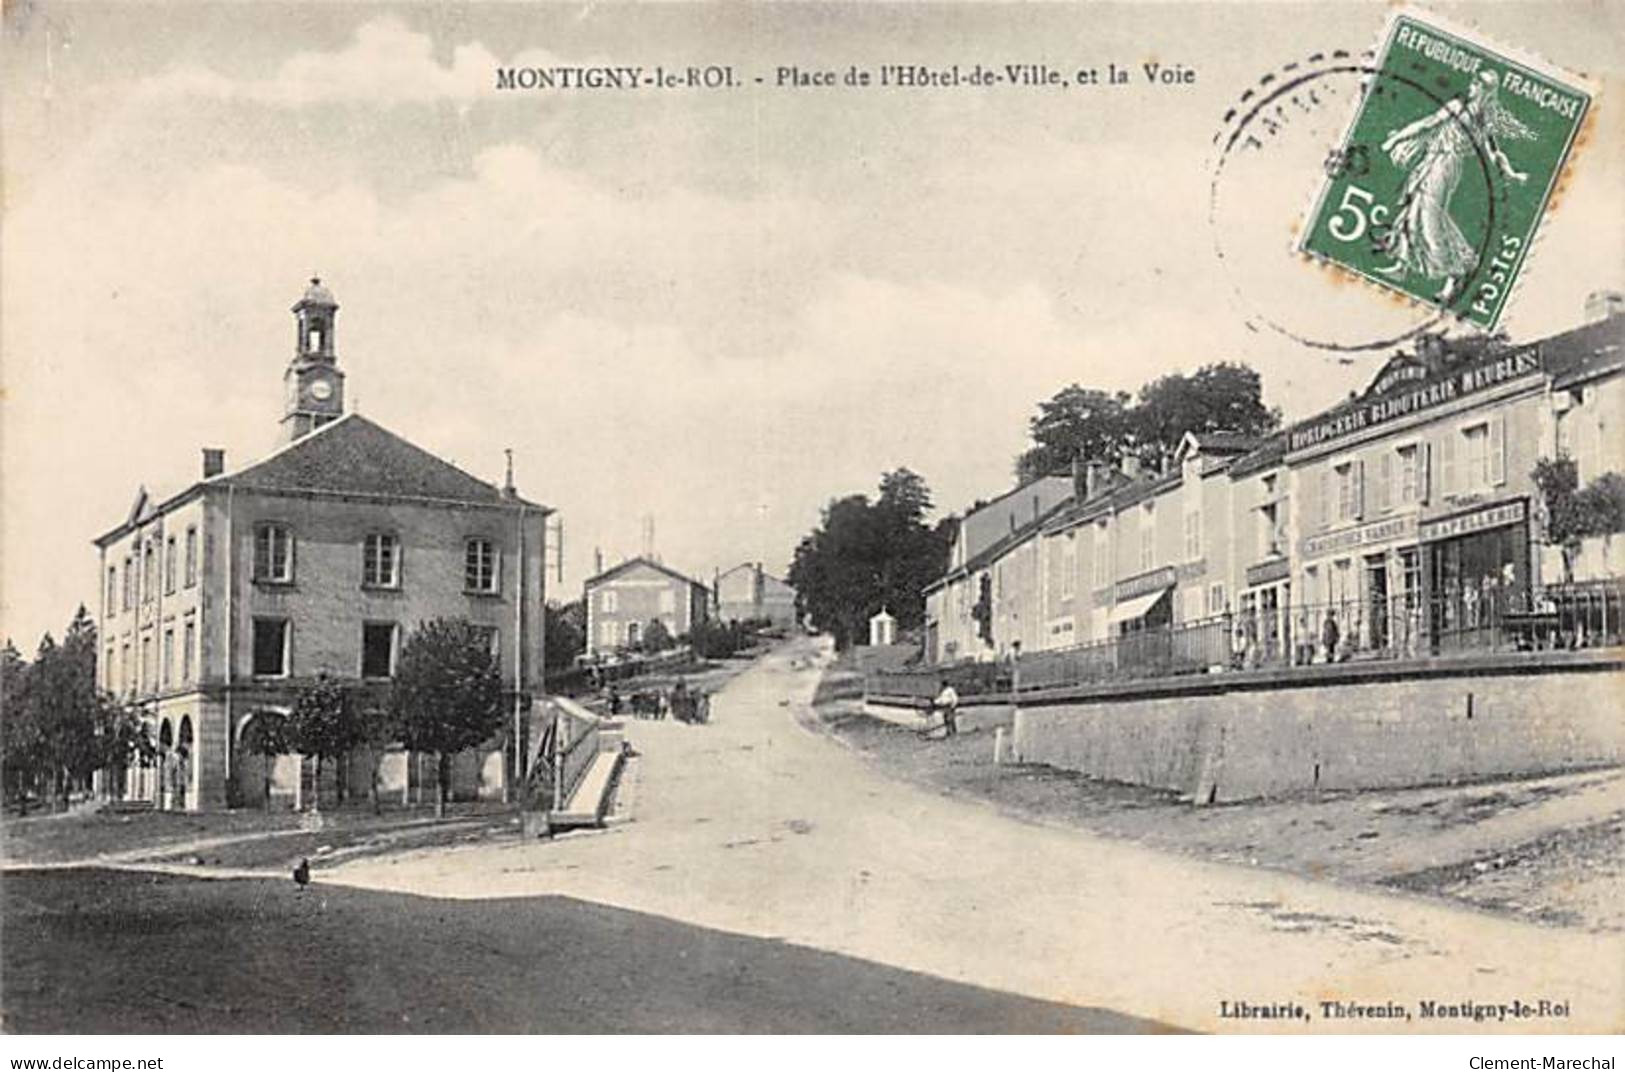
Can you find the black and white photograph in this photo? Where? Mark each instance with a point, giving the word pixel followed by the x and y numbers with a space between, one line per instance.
pixel 736 519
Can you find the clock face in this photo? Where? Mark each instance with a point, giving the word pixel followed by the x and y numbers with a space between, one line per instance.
pixel 321 390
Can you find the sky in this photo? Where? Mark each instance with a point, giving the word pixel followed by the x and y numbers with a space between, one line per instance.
pixel 717 308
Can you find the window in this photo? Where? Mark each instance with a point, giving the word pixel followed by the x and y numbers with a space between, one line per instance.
pixel 149 572
pixel 273 554
pixel 112 590
pixel 169 656
pixel 1193 535
pixel 668 600
pixel 1408 488
pixel 1269 534
pixel 609 600
pixel 271 647
pixel 189 644
pixel 381 561
pixel 480 566
pixel 1342 581
pixel 129 582
pixel 1069 566
pixel 378 649
pixel 1103 556
pixel 191 555
pixel 1347 501
pixel 149 665
pixel 1148 534
pixel 1215 599
pixel 126 678
pixel 1475 456
pixel 169 566
pixel 109 682
pixel 606 634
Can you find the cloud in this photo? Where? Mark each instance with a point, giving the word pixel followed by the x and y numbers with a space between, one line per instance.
pixel 386 62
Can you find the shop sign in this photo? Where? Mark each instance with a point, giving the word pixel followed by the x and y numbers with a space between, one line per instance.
pixel 1165 577
pixel 1393 528
pixel 1372 411
pixel 1491 517
pixel 1277 569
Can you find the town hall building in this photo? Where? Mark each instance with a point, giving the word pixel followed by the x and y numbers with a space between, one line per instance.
pixel 221 602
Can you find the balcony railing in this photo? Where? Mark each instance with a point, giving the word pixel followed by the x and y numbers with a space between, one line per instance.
pixel 1467 621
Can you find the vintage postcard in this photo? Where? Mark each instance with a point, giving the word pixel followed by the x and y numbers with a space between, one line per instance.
pixel 881 518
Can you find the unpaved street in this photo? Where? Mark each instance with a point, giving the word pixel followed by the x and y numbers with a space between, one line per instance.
pixel 760 826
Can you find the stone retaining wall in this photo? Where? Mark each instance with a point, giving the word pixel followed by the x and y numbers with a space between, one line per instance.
pixel 1225 741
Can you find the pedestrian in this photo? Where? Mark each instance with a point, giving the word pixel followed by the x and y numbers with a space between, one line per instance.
pixel 1329 635
pixel 614 700
pixel 947 702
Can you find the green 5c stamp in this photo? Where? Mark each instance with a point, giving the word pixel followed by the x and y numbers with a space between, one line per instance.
pixel 1439 185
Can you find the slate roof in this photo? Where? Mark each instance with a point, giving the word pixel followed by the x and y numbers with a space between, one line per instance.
pixel 615 571
pixel 352 455
pixel 349 456
pixel 1588 351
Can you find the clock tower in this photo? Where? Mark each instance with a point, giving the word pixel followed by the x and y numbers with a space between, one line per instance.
pixel 314 385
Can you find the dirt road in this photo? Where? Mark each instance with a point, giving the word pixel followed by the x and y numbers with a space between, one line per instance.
pixel 760 826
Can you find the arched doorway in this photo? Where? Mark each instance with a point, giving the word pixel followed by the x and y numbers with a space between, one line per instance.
pixel 185 744
pixel 255 760
pixel 166 764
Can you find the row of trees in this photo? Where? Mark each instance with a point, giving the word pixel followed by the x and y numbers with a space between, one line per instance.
pixel 1109 426
pixel 445 697
pixel 58 728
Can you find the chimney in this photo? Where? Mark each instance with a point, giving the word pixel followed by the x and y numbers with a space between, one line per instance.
pixel 508 489
pixel 1602 304
pixel 1080 490
pixel 597 561
pixel 214 462
pixel 1093 475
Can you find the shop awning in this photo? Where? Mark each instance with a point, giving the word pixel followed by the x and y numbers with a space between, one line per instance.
pixel 1130 609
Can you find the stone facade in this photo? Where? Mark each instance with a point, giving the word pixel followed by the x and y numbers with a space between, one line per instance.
pixel 225 600
pixel 748 593
pixel 1397 513
pixel 623 600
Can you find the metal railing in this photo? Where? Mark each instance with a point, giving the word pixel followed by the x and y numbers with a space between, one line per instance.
pixel 576 741
pixel 1468 620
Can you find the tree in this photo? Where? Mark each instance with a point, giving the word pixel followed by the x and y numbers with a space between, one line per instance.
pixel 1221 397
pixel 864 556
pixel 656 638
pixel 323 724
pixel 1572 514
pixel 1602 505
pixel 1092 425
pixel 19 736
pixel 447 695
pixel 1078 422
pixel 565 633
pixel 266 736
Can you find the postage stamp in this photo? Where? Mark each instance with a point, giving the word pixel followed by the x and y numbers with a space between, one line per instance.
pixel 1440 182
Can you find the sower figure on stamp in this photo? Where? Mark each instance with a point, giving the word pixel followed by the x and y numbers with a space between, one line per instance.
pixel 947 703
pixel 1434 150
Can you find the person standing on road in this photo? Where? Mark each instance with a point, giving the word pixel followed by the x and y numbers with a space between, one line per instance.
pixel 947 702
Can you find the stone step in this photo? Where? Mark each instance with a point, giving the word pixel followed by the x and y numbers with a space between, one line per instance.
pixel 589 802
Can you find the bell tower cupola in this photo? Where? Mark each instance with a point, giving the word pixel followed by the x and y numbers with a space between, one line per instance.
pixel 313 383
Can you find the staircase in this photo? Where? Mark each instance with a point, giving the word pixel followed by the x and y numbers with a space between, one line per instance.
pixel 590 802
pixel 588 765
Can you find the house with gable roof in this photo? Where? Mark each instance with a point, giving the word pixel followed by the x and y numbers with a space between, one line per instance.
pixel 221 602
pixel 624 599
